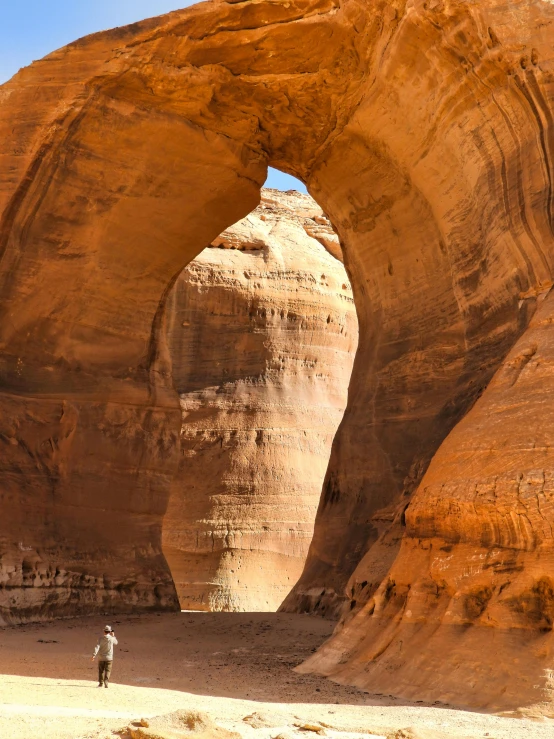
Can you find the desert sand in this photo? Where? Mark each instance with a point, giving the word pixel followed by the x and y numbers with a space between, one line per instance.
pixel 229 665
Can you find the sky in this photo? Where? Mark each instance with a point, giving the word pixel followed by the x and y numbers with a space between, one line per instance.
pixel 30 29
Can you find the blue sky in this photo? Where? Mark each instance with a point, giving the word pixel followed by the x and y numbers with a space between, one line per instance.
pixel 30 29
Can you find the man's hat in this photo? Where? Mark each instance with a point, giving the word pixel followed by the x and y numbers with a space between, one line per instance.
pixel 107 628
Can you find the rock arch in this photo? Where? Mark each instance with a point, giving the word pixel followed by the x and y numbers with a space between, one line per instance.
pixel 424 130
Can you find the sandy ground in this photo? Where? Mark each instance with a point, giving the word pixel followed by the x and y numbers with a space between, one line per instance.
pixel 228 665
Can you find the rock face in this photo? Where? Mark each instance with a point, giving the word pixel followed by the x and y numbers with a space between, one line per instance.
pixel 261 334
pixel 424 130
pixel 455 587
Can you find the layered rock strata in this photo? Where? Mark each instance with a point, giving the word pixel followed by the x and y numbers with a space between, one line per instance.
pixel 261 331
pixel 455 588
pixel 423 129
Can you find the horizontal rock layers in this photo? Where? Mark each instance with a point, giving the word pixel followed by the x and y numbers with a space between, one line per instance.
pixel 446 251
pixel 89 244
pixel 261 334
pixel 455 588
pixel 424 130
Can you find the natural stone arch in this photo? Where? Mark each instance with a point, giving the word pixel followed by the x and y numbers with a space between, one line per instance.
pixel 132 149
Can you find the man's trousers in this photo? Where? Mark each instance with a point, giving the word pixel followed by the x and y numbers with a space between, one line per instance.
pixel 104 672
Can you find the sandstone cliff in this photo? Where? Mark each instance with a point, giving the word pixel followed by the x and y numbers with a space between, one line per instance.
pixel 476 563
pixel 423 129
pixel 261 334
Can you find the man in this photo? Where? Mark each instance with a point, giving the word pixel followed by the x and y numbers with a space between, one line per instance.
pixel 104 650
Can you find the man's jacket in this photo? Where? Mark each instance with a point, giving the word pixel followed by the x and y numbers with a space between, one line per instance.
pixel 104 648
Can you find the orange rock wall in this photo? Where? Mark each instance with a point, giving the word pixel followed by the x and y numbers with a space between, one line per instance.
pixel 475 564
pixel 94 226
pixel 440 193
pixel 261 334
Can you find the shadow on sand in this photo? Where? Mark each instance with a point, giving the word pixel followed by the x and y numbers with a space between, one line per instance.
pixel 247 656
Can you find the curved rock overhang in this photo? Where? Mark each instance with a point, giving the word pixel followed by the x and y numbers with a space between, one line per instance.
pixel 423 129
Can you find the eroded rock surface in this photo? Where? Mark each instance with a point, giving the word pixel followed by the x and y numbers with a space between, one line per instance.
pixel 423 129
pixel 179 725
pixel 261 332
pixel 477 559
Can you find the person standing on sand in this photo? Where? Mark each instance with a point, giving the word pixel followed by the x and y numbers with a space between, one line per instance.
pixel 104 650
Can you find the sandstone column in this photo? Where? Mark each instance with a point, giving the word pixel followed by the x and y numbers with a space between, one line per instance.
pixel 261 331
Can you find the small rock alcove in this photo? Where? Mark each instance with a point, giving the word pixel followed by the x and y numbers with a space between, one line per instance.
pixel 424 131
